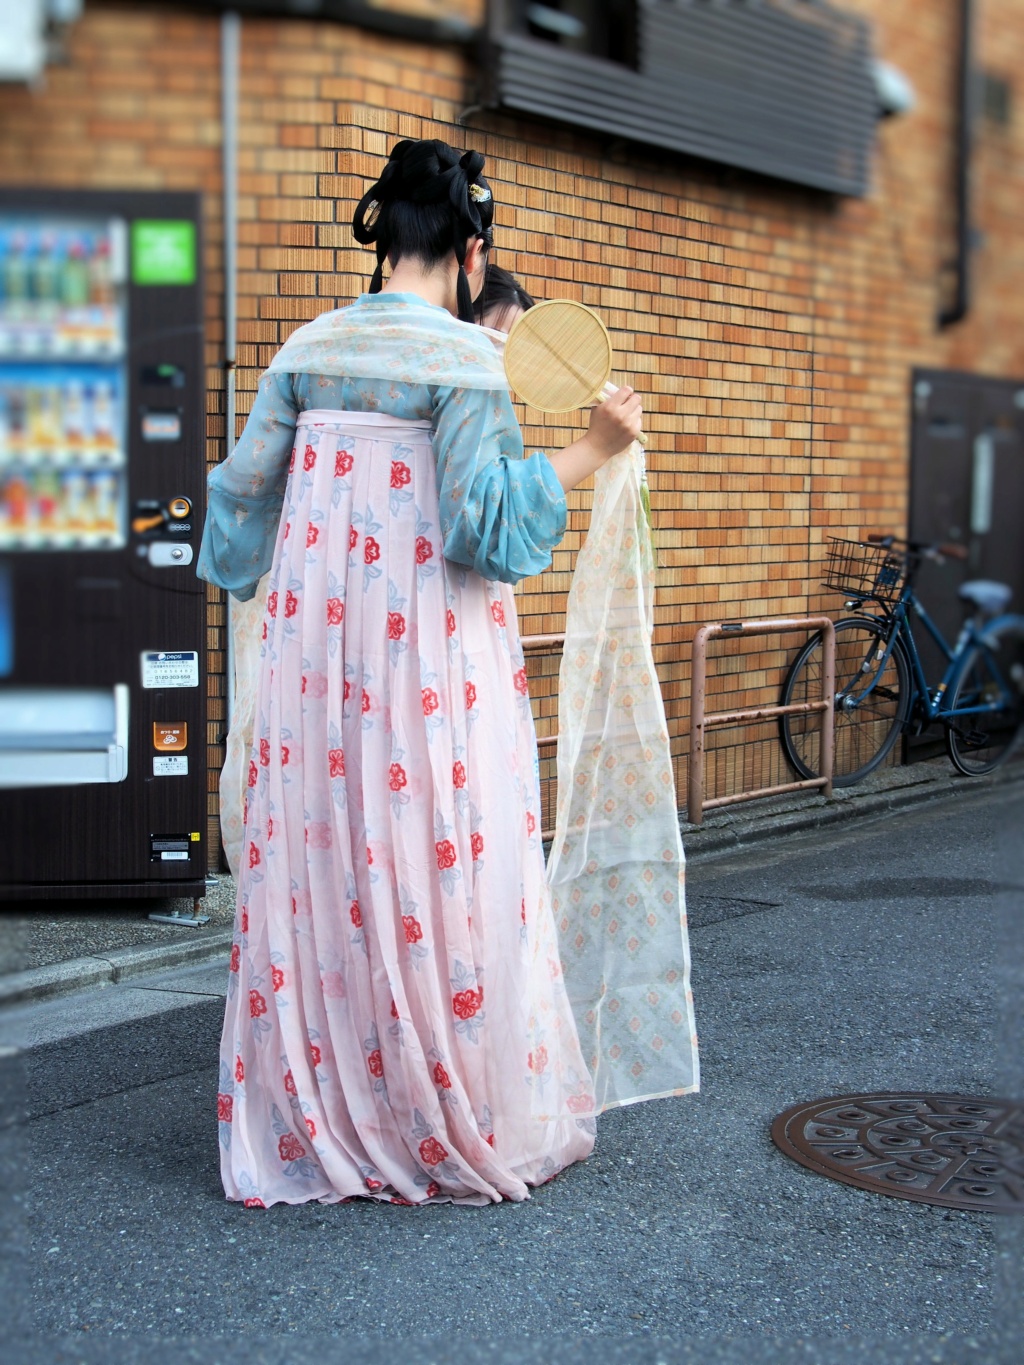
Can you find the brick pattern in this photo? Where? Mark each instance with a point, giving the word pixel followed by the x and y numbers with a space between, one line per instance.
pixel 771 330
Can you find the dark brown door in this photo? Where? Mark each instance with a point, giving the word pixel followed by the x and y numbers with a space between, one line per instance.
pixel 967 487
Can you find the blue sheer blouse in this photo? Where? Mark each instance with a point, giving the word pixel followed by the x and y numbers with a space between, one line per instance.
pixel 501 514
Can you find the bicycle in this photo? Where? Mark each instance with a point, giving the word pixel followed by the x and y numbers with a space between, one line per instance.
pixel 881 688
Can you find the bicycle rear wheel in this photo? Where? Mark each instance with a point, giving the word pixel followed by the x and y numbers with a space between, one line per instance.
pixel 992 675
pixel 865 731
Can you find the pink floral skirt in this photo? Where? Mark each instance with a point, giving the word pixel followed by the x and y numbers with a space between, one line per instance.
pixel 397 1024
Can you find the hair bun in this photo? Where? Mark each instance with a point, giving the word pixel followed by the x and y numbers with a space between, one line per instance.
pixel 428 195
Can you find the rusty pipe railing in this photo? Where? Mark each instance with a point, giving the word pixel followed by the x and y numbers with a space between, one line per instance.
pixel 544 644
pixel 700 720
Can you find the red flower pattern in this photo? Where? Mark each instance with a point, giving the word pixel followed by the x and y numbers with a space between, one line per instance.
pixel 291 604
pixel 432 1190
pixel 335 611
pixel 289 1148
pixel 236 957
pixel 441 1077
pixel 470 696
pixel 225 1104
pixel 476 843
pixel 315 1055
pixel 336 762
pixel 424 550
pixel 445 854
pixel 396 777
pixel 498 612
pixel 458 774
pixel 254 856
pixel 394 1010
pixel 342 464
pixel 239 1070
pixel 356 914
pixel 253 773
pixel 284 755
pixel 347 690
pixel 451 622
pixel 353 537
pixel 264 752
pixel 271 603
pixel 253 1203
pixel 310 1127
pixel 277 976
pixel 312 535
pixel 371 550
pixel 413 929
pixel 538 1060
pixel 531 823
pixel 396 625
pixel 467 1003
pixel 519 680
pixel 432 1152
pixel 430 702
pixel 289 1083
pixel 257 1005
pixel 366 701
pixel 245 921
pixel 401 475
pixel 309 458
pixel 375 1063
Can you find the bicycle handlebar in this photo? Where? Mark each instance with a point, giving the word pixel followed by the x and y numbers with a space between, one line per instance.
pixel 927 549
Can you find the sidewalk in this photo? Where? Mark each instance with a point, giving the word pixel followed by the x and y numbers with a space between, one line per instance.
pixel 51 949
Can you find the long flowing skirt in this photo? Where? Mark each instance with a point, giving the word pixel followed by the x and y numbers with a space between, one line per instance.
pixel 397 1024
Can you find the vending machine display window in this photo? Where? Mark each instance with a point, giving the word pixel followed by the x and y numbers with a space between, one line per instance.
pixel 62 383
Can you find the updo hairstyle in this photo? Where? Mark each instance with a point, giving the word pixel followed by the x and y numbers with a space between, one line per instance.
pixel 428 203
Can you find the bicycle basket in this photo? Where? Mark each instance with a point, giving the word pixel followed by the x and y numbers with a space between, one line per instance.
pixel 859 569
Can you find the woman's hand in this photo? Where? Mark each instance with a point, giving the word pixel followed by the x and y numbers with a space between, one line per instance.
pixel 616 423
pixel 614 426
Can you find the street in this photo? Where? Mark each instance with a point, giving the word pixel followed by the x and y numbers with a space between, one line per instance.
pixel 880 954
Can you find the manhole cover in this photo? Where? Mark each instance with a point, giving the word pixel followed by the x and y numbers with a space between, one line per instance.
pixel 954 1150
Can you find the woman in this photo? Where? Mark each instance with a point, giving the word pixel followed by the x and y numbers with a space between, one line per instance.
pixel 502 299
pixel 396 1023
pixel 497 306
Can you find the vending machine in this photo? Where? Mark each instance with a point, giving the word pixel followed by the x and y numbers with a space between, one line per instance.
pixel 102 476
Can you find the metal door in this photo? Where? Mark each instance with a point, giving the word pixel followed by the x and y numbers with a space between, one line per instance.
pixel 966 487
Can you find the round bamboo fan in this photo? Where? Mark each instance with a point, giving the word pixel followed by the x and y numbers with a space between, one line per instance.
pixel 558 356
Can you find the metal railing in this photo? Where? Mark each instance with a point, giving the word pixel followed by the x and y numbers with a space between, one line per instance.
pixel 544 644
pixel 700 720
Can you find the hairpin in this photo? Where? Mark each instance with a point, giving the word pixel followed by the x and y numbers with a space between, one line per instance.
pixel 479 194
pixel 372 205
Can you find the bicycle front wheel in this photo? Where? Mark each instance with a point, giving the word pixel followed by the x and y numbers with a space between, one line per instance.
pixel 872 702
pixel 990 691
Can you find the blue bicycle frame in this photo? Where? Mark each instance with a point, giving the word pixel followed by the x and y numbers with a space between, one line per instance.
pixel 897 626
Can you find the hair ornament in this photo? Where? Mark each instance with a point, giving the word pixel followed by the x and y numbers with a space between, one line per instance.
pixel 479 194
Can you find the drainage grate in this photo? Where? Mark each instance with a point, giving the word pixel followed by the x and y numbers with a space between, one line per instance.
pixel 953 1150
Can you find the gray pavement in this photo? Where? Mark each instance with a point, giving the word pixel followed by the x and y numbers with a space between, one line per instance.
pixel 884 953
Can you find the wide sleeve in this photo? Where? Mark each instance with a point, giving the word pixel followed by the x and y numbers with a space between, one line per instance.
pixel 245 493
pixel 501 514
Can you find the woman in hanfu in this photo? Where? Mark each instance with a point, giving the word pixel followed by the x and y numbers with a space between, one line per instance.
pixel 397 1024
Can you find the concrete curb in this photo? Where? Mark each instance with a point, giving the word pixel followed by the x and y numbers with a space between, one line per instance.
pixel 61 978
pixel 733 832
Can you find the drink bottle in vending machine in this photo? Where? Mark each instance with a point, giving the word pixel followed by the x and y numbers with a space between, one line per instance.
pixel 102 475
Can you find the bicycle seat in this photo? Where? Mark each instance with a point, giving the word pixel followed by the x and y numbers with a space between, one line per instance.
pixel 988 597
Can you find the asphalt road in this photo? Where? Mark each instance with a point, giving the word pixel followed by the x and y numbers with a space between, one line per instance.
pixel 883 954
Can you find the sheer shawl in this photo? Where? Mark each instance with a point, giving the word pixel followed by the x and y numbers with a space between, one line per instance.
pixel 616 868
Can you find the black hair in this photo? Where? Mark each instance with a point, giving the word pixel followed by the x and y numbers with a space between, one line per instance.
pixel 429 201
pixel 501 291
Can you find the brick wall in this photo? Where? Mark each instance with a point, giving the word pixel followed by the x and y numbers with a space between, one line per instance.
pixel 771 330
